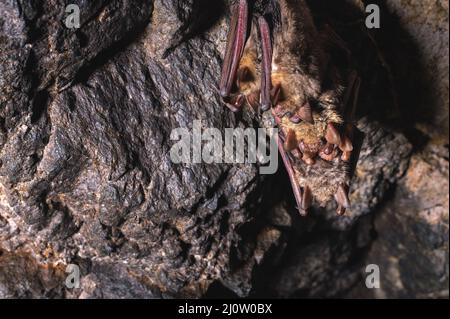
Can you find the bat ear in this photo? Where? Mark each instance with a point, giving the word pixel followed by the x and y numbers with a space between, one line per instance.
pixel 351 96
pixel 237 38
pixel 266 69
pixel 307 199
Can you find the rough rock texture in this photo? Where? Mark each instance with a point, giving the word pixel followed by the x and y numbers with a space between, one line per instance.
pixel 86 177
pixel 422 264
pixel 418 265
pixel 426 23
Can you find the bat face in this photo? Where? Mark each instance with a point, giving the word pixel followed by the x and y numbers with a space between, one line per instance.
pixel 275 62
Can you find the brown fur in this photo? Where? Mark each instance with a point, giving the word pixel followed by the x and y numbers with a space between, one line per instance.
pixel 300 67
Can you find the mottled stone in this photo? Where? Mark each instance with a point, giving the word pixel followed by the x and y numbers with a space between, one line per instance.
pixel 86 176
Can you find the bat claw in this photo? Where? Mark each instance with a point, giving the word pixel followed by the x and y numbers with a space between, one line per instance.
pixel 235 103
pixel 332 134
pixel 341 196
pixel 307 198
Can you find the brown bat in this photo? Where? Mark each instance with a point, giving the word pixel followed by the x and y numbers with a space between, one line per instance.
pixel 276 61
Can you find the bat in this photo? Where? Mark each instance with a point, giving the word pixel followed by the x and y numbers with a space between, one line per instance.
pixel 276 61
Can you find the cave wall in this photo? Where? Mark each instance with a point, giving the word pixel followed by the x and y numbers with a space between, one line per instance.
pixel 86 177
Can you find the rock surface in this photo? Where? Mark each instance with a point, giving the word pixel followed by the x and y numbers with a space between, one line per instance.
pixel 427 26
pixel 86 176
pixel 412 245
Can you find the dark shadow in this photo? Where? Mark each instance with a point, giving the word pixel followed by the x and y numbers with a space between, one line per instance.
pixel 83 74
pixel 203 16
pixel 39 105
pixel 394 89
pixel 218 291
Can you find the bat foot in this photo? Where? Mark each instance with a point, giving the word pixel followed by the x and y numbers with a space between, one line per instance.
pixel 235 102
pixel 342 197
